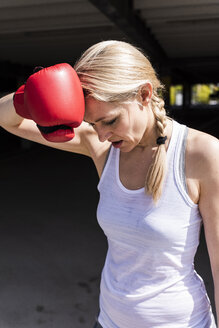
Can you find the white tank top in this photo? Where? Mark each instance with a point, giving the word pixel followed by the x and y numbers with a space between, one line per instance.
pixel 148 279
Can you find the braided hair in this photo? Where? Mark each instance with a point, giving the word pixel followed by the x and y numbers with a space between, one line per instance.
pixel 114 71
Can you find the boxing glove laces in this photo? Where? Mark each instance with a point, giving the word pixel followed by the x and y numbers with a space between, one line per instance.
pixel 53 98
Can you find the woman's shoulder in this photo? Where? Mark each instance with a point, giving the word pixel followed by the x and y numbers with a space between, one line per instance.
pixel 97 150
pixel 201 143
pixel 201 162
pixel 202 151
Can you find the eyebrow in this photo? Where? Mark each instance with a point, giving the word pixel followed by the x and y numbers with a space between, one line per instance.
pixel 99 119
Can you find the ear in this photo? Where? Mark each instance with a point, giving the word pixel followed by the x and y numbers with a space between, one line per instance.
pixel 146 93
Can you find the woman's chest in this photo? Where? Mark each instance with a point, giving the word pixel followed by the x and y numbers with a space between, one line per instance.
pixel 133 170
pixel 133 219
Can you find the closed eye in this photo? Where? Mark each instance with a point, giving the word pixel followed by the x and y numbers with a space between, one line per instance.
pixel 104 123
pixel 110 122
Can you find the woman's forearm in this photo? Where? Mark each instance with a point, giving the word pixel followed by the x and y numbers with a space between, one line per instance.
pixel 8 116
pixel 217 305
pixel 216 295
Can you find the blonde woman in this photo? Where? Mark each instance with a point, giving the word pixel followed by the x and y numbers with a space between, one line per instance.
pixel 159 181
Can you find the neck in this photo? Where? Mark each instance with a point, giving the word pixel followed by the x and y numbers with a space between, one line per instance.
pixel 150 135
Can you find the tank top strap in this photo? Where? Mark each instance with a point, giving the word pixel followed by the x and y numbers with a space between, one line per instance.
pixel 110 163
pixel 176 144
pixel 179 164
pixel 180 156
pixel 173 141
pixel 176 160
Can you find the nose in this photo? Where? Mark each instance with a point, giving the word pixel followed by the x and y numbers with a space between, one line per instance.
pixel 103 134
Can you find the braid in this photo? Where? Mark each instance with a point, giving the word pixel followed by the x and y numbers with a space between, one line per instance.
pixel 160 114
pixel 157 170
pixel 114 71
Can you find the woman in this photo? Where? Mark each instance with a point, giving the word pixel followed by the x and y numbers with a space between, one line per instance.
pixel 159 181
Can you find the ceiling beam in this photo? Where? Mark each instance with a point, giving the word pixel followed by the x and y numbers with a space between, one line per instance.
pixel 122 14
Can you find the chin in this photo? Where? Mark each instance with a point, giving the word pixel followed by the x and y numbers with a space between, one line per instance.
pixel 127 149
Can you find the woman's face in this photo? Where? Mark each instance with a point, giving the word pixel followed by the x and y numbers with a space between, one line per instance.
pixel 124 125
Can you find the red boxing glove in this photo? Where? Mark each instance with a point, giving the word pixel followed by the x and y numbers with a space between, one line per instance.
pixel 53 98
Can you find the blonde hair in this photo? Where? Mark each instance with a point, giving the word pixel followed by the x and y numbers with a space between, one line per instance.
pixel 114 71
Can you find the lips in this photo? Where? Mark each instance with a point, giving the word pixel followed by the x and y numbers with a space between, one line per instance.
pixel 117 144
pixel 57 133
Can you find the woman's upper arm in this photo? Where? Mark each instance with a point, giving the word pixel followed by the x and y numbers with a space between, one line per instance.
pixel 209 197
pixel 27 129
pixel 85 141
